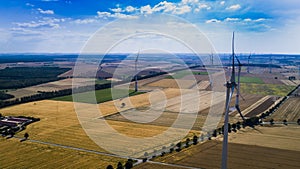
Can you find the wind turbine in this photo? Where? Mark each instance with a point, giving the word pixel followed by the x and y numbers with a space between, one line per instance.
pixel 136 73
pixel 211 59
pixel 248 68
pixel 230 85
pixel 237 100
pixel 270 65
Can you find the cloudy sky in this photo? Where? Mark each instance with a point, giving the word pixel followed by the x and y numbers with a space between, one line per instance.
pixel 64 26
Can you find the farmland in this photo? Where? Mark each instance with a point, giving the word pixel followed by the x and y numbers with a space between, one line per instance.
pixel 103 95
pixel 174 83
pixel 14 154
pixel 245 79
pixel 262 148
pixel 18 77
pixel 266 89
pixel 289 111
pixel 54 86
pixel 162 100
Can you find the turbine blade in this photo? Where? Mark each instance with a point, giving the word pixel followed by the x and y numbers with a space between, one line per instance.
pixel 233 66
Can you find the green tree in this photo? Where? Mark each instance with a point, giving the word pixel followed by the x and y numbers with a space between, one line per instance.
pixel 285 122
pixel 109 167
pixel 215 133
pixel 120 166
pixel 272 121
pixel 187 142
pixel 129 164
pixel 178 145
pixel 195 140
pixel 26 135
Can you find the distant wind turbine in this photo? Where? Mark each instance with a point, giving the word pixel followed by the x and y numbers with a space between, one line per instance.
pixel 270 65
pixel 248 68
pixel 212 58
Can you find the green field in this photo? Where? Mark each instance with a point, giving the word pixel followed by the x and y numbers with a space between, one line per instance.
pixel 256 80
pixel 266 89
pixel 103 95
pixel 102 81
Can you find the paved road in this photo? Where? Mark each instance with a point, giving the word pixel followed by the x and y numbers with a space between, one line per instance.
pixel 172 165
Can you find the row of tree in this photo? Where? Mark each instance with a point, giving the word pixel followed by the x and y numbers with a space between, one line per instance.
pixel 128 165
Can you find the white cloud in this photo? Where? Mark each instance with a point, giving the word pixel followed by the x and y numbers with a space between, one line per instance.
pixel 234 7
pixel 49 12
pixel 260 20
pixel 189 1
pixel 44 23
pixel 202 6
pixel 231 19
pixel 247 20
pixel 213 21
pixel 254 20
pixel 103 14
pixel 85 21
pixel 130 9
pixel 164 6
pixel 182 10
pixel 146 9
pixel 114 15
pixel 29 4
pixel 123 16
pixel 117 10
pixel 222 3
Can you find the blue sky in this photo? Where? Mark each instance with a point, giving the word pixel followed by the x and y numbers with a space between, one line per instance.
pixel 64 26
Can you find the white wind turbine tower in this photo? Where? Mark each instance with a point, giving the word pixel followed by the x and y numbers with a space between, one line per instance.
pixel 248 67
pixel 231 85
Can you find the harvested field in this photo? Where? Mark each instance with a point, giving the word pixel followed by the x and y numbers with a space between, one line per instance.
pixel 259 107
pixel 14 154
pixel 290 110
pixel 174 83
pixel 269 148
pixel 143 84
pixel 51 86
pixel 289 82
pixel 58 120
pixel 280 137
pixel 170 113
pixel 203 85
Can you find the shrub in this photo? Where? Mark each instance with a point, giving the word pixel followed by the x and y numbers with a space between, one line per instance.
pixel 195 140
pixel 109 167
pixel 285 122
pixel 272 121
pixel 120 165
